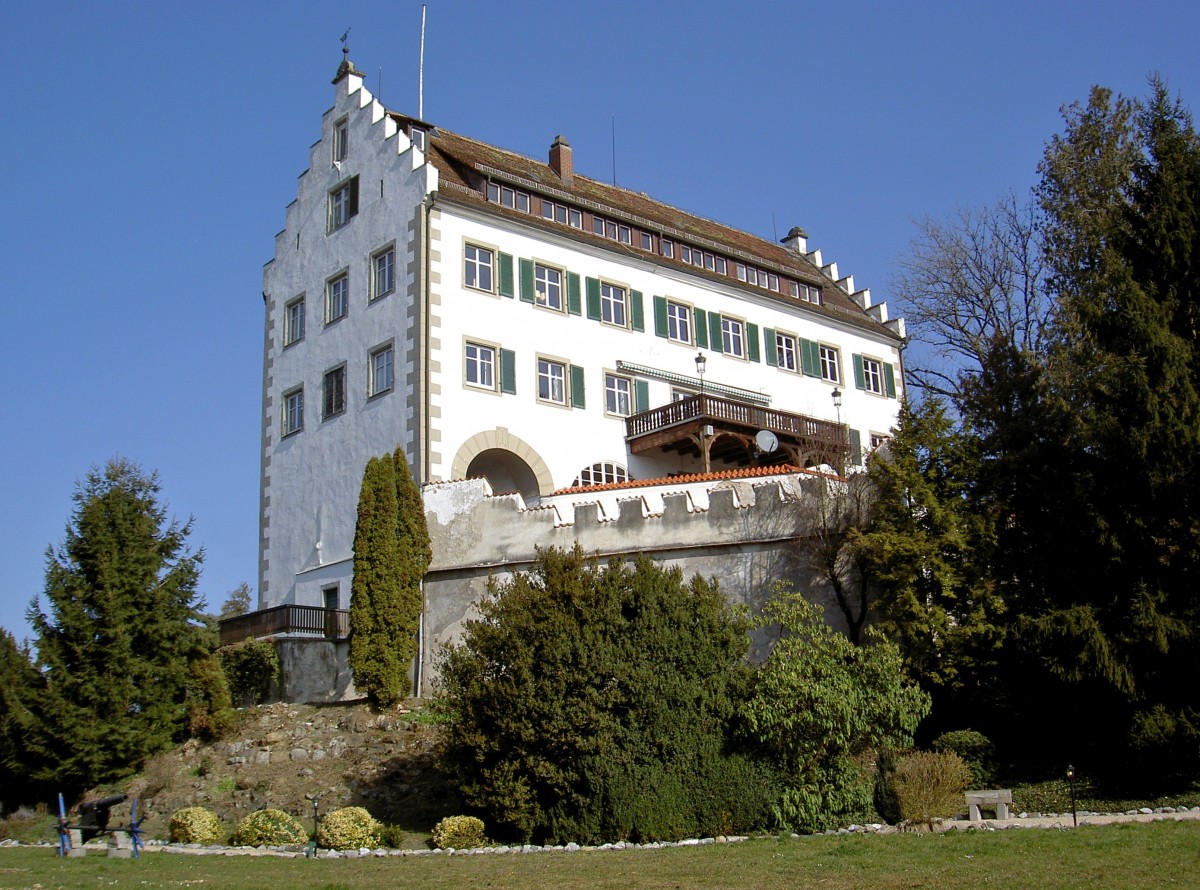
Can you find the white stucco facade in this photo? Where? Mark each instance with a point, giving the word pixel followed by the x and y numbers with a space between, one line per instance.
pixel 452 412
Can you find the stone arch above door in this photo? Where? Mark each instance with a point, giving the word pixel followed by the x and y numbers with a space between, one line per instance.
pixel 501 439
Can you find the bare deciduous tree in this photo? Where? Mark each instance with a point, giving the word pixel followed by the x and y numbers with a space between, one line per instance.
pixel 966 281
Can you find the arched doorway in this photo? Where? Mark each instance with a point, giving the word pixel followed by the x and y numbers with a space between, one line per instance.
pixel 505 472
pixel 506 461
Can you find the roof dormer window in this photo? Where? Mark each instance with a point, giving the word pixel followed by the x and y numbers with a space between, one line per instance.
pixel 417 135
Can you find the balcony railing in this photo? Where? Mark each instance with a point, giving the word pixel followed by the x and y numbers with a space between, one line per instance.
pixel 288 619
pixel 710 408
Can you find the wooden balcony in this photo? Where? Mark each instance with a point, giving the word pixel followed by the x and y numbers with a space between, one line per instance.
pixel 333 624
pixel 683 427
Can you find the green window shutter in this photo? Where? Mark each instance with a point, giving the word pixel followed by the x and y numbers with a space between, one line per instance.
pixel 715 341
pixel 506 275
pixel 577 394
pixel 769 346
pixel 641 396
pixel 859 381
pixel 574 301
pixel 889 380
pixel 636 311
pixel 593 299
pixel 660 317
pixel 752 341
pixel 526 280
pixel 810 358
pixel 855 448
pixel 701 328
pixel 508 371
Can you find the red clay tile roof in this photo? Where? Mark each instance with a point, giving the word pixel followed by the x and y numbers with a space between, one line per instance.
pixel 743 473
pixel 464 164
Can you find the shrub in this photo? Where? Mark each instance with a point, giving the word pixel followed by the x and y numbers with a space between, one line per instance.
pixel 195 825
pixel 976 751
pixel 349 828
pixel 268 828
pixel 590 703
pixel 251 668
pixel 458 833
pixel 929 785
pixel 820 703
pixel 392 836
pixel 209 708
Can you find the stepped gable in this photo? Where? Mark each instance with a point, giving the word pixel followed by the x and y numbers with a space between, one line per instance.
pixel 464 165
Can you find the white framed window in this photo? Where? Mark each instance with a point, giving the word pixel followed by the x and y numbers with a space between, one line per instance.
pixel 872 375
pixel 341 140
pixel 618 395
pixel 785 352
pixel 612 304
pixel 647 241
pixel 381 370
pixel 877 439
pixel 830 363
pixel 805 292
pixel 293 321
pixel 547 286
pixel 551 381
pixel 343 203
pixel 383 273
pixel 337 297
pixel 333 392
pixel 602 473
pixel 478 266
pixel 417 136
pixel 668 248
pixel 481 365
pixel 614 231
pixel 293 411
pixel 733 337
pixel 679 322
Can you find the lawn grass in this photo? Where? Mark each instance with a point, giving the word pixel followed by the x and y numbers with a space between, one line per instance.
pixel 1128 855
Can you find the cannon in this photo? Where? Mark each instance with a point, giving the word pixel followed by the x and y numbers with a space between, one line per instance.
pixel 93 821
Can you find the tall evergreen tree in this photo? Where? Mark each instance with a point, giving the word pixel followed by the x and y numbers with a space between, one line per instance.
pixel 391 554
pixel 122 625
pixel 20 685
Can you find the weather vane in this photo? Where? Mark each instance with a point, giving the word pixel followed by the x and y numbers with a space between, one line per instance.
pixel 343 39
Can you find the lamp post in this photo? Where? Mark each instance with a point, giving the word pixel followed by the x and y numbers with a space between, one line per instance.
pixel 842 445
pixel 1071 782
pixel 701 365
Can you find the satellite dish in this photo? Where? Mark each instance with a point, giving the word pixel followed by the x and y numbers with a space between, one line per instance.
pixel 767 441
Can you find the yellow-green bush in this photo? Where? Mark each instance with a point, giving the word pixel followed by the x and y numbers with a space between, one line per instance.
pixel 458 833
pixel 929 786
pixel 195 825
pixel 268 828
pixel 349 828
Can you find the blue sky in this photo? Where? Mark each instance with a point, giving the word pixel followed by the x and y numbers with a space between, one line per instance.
pixel 150 150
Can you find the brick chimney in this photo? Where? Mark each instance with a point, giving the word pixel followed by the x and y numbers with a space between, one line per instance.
pixel 561 161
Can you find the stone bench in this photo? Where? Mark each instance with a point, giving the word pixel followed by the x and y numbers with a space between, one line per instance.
pixel 997 800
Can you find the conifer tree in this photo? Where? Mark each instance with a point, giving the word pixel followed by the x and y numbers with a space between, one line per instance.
pixel 20 685
pixel 391 554
pixel 122 625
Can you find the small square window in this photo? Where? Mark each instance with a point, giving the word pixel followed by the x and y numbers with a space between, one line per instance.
pixel 383 273
pixel 293 321
pixel 477 267
pixel 785 352
pixel 293 411
pixel 732 338
pixel 337 298
pixel 552 381
pixel 618 398
pixel 877 439
pixel 343 204
pixel 612 304
pixel 679 322
pixel 381 370
pixel 333 393
pixel 547 286
pixel 830 364
pixel 481 366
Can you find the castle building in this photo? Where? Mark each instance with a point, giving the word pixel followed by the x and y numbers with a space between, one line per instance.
pixel 504 317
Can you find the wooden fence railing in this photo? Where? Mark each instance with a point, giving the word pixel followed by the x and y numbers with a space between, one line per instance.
pixel 287 619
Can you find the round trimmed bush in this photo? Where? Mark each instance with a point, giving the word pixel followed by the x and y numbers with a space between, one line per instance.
pixel 458 833
pixel 269 828
pixel 195 825
pixel 349 828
